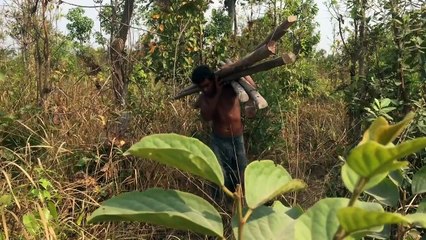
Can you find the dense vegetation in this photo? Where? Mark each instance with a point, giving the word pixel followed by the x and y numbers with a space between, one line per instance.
pixel 69 108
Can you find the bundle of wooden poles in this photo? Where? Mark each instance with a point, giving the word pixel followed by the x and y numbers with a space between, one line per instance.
pixel 235 72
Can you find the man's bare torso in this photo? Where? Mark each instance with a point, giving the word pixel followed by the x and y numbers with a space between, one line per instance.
pixel 227 116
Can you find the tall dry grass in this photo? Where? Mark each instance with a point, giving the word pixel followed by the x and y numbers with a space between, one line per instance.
pixel 69 142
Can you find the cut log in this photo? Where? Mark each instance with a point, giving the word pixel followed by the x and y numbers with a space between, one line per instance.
pixel 257 55
pixel 239 90
pixel 259 101
pixel 286 58
pixel 187 91
pixel 279 31
pixel 241 93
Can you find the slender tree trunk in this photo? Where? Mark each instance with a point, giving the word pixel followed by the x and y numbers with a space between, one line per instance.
pixel 397 36
pixel 119 63
pixel 46 52
pixel 118 55
pixel 230 6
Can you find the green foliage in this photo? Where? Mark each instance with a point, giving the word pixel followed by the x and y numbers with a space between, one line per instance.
pixel 330 218
pixel 187 154
pixel 264 180
pixel 419 181
pixel 354 219
pixel 80 26
pixel 379 108
pixel 386 192
pixel 178 43
pixel 264 222
pixel 321 220
pixel 169 208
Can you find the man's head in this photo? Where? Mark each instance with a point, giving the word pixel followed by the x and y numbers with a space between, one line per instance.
pixel 204 77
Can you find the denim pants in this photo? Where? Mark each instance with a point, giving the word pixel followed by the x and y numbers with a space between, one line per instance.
pixel 231 154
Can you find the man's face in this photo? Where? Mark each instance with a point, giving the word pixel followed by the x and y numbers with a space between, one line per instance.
pixel 207 86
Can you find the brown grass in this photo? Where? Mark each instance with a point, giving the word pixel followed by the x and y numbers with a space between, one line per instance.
pixel 74 126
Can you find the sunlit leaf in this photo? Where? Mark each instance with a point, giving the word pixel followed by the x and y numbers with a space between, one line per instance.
pixel 350 178
pixel 169 208
pixel 264 223
pixel 380 131
pixel 419 181
pixel 418 219
pixel 372 158
pixel 31 223
pixel 265 180
pixel 185 153
pixel 320 221
pixel 354 219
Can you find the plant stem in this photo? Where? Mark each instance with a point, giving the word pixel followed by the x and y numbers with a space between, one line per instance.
pixel 247 215
pixel 358 190
pixel 228 192
pixel 3 220
pixel 341 234
pixel 238 197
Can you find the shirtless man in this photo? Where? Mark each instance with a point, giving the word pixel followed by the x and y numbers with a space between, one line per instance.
pixel 219 104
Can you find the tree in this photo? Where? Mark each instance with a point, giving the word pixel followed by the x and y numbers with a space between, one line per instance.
pixel 80 26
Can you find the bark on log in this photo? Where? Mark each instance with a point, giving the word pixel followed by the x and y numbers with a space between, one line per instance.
pixel 259 101
pixel 257 55
pixel 279 31
pixel 286 58
pixel 240 91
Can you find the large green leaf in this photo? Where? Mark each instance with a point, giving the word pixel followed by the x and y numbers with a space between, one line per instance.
pixel 418 219
pixel 350 178
pixel 293 212
pixel 170 208
pixel 354 219
pixel 419 181
pixel 185 153
pixel 265 180
pixel 386 192
pixel 380 131
pixel 264 223
pixel 372 158
pixel 320 221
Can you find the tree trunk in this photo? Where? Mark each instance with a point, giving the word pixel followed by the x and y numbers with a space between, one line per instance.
pixel 230 6
pixel 46 53
pixel 119 64
pixel 397 36
pixel 118 55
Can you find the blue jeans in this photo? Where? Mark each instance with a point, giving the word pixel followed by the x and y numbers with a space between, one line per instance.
pixel 231 154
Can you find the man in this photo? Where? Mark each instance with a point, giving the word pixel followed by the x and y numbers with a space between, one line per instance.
pixel 219 104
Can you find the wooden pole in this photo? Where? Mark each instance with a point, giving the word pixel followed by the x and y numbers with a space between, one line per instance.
pixel 259 101
pixel 279 31
pixel 286 58
pixel 257 55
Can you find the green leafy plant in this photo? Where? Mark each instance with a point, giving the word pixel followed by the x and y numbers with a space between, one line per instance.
pixel 374 159
pixel 380 108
